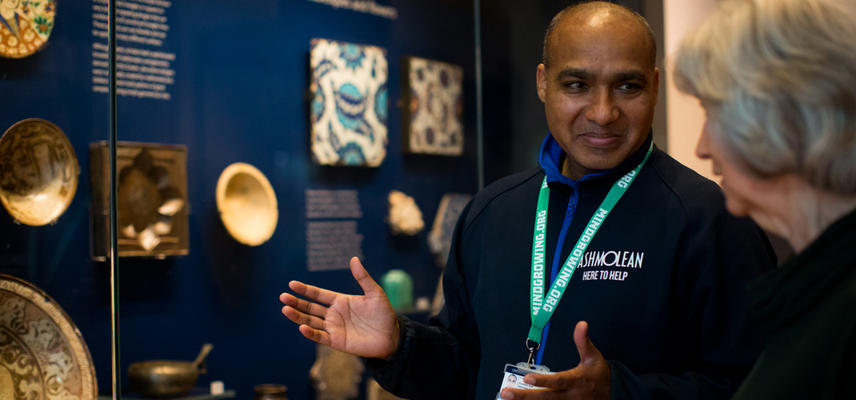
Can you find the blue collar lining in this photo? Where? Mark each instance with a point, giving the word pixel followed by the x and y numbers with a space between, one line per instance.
pixel 550 158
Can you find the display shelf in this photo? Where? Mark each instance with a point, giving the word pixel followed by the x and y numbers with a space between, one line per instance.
pixel 193 395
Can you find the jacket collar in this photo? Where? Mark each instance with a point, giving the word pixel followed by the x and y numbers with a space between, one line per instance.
pixel 807 279
pixel 551 156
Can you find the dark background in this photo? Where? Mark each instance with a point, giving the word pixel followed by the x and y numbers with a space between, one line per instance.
pixel 240 95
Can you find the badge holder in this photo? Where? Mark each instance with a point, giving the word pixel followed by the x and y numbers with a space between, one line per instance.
pixel 513 373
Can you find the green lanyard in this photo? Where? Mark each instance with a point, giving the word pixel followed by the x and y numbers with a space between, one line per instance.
pixel 543 309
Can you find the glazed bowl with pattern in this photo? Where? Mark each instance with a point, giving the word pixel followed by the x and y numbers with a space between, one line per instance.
pixel 38 172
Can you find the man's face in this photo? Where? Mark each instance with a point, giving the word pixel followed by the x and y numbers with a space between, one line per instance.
pixel 599 91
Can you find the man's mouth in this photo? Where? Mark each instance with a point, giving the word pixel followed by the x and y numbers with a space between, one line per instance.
pixel 600 139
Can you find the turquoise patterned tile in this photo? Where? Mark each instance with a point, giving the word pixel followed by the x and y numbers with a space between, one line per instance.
pixel 349 105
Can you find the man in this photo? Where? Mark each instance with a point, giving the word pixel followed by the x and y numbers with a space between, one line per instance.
pixel 654 304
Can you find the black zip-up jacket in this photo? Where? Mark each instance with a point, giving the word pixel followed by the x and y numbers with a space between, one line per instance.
pixel 662 285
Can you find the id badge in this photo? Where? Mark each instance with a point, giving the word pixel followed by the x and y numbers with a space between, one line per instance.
pixel 513 374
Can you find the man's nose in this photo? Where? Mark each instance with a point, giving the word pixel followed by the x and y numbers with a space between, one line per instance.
pixel 602 109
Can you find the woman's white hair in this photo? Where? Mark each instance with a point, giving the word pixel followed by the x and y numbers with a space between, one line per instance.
pixel 778 80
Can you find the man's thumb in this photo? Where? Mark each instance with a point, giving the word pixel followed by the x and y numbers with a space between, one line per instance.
pixel 584 345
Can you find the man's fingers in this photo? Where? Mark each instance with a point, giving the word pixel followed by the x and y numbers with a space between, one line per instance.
pixel 588 352
pixel 524 394
pixel 315 335
pixel 590 376
pixel 313 292
pixel 559 380
pixel 303 305
pixel 369 286
pixel 324 296
pixel 302 318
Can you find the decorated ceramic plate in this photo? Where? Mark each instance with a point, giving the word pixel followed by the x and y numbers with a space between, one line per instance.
pixel 42 353
pixel 25 26
pixel 247 204
pixel 38 172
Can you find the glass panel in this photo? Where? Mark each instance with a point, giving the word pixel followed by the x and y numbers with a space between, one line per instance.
pixel 267 139
pixel 50 66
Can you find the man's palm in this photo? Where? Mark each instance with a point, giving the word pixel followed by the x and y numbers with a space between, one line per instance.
pixel 361 325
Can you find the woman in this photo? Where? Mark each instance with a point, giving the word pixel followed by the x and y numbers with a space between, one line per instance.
pixel 777 79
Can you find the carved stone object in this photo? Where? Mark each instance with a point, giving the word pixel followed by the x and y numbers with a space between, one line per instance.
pixel 151 199
pixel 375 392
pixel 405 217
pixel 335 375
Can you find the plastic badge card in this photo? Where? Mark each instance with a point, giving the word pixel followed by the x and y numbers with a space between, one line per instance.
pixel 513 376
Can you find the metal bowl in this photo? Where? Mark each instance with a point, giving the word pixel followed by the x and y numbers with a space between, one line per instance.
pixel 166 378
pixel 162 378
pixel 38 172
pixel 247 204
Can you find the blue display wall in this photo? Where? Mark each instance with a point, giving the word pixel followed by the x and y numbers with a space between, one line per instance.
pixel 240 93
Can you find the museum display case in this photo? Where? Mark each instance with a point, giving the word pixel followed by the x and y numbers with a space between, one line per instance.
pixel 54 301
pixel 255 143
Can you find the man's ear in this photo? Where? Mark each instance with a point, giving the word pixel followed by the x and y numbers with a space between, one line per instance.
pixel 541 81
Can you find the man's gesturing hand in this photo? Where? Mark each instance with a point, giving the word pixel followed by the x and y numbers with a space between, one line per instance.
pixel 588 380
pixel 360 325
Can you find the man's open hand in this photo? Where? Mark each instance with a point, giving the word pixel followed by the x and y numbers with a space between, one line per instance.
pixel 360 325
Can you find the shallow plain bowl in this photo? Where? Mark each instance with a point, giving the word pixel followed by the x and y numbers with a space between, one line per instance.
pixel 247 204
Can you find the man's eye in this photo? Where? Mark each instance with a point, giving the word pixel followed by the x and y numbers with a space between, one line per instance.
pixel 574 85
pixel 630 87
